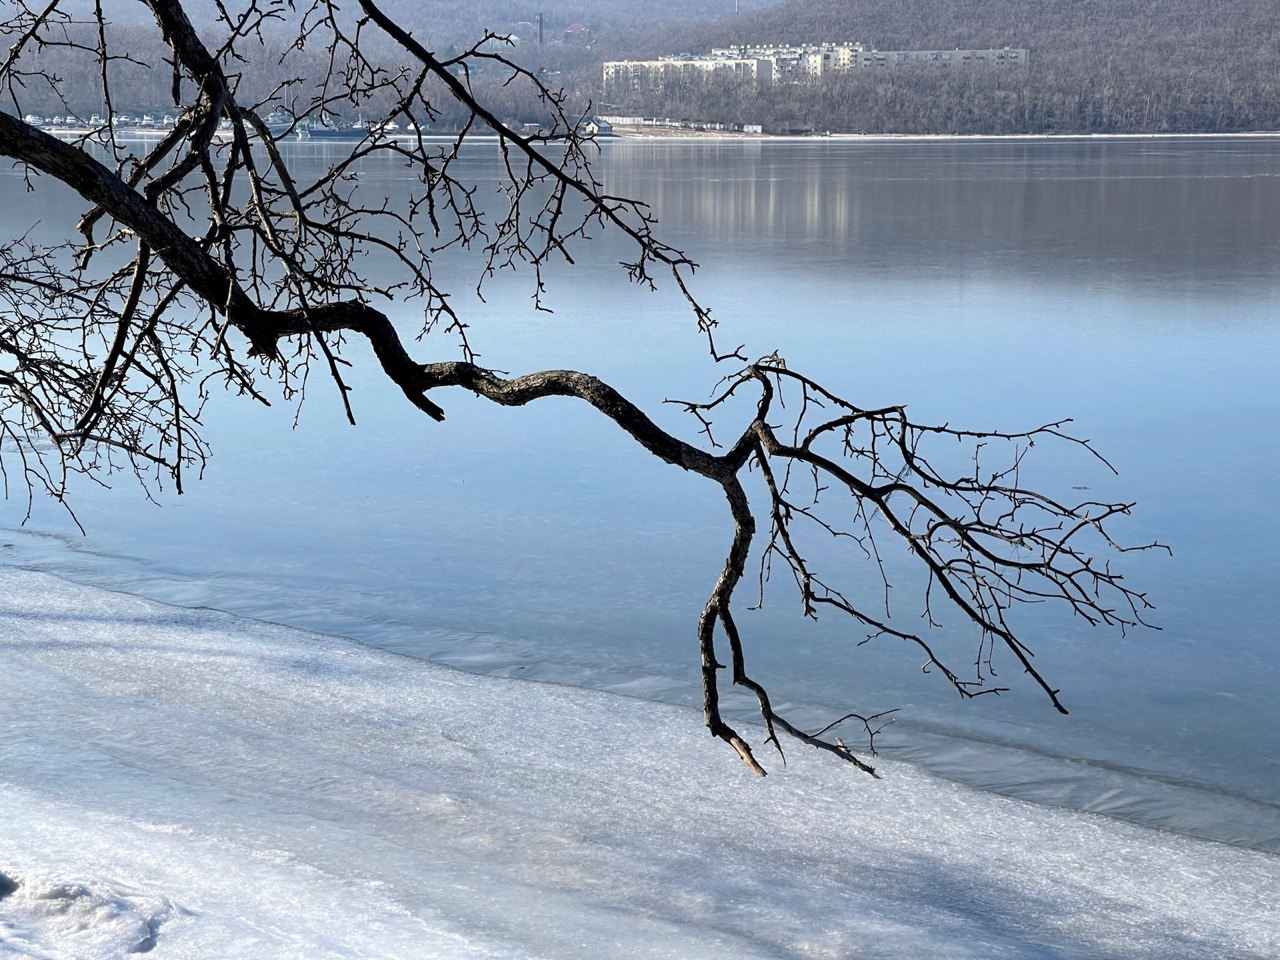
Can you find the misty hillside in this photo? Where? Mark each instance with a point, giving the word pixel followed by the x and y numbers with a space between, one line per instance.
pixel 592 13
pixel 462 21
pixel 576 36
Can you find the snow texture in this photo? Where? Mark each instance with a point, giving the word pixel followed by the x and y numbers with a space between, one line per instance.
pixel 188 784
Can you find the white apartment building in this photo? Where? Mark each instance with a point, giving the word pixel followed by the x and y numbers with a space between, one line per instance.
pixel 642 73
pixel 767 63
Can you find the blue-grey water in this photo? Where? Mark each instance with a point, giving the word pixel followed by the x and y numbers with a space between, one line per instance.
pixel 1132 285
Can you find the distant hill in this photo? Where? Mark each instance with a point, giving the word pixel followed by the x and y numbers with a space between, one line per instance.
pixel 465 17
pixel 1114 25
pixel 1096 65
pixel 460 21
pixel 577 34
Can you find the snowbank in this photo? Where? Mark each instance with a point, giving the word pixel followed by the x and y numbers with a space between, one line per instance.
pixel 189 784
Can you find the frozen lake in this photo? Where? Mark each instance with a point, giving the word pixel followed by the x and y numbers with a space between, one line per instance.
pixel 1131 285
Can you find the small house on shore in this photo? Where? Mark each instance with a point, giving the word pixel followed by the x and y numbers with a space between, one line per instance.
pixel 595 127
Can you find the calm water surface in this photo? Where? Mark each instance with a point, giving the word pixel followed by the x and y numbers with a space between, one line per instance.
pixel 1132 285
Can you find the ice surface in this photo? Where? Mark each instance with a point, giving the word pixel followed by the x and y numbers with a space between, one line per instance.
pixel 189 784
pixel 46 917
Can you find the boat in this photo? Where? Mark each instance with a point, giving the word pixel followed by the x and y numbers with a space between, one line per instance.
pixel 328 129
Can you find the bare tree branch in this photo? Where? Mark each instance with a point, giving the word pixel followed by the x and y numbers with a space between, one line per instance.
pixel 208 263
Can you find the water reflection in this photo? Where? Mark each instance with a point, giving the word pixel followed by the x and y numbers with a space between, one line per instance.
pixel 1169 216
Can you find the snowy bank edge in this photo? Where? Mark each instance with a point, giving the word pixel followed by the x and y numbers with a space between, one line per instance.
pixel 77 650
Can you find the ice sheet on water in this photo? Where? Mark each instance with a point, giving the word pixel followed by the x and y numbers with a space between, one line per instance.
pixel 231 788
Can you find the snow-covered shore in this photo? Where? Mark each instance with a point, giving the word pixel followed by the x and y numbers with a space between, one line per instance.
pixel 191 784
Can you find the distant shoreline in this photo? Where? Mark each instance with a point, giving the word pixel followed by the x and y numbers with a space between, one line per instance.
pixel 671 133
pixel 625 133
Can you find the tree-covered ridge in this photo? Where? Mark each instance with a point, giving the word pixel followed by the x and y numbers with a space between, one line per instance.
pixel 1124 66
pixel 577 34
pixel 460 21
pixel 1128 66
pixel 1107 24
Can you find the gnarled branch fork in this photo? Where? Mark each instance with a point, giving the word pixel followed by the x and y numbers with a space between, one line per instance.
pixel 107 359
pixel 984 540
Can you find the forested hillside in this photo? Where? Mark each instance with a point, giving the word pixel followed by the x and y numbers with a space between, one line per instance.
pixel 456 19
pixel 576 36
pixel 1096 66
